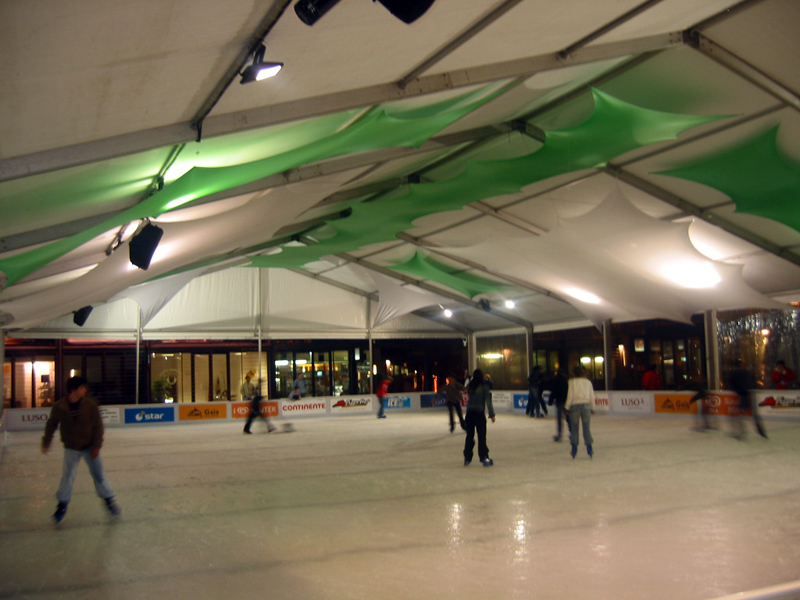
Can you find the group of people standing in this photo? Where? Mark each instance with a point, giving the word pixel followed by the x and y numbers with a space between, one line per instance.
pixel 574 401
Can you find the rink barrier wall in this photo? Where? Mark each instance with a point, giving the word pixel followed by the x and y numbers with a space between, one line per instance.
pixel 770 403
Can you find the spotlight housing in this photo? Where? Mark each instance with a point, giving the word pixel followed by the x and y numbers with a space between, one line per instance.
pixel 79 316
pixel 259 69
pixel 143 245
pixel 407 11
pixel 311 11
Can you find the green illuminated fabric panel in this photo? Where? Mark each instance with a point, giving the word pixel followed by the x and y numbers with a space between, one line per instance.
pixel 758 177
pixel 615 127
pixel 381 127
pixel 468 284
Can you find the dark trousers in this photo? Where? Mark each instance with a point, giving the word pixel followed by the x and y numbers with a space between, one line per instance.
pixel 561 414
pixel 255 413
pixel 455 408
pixel 475 421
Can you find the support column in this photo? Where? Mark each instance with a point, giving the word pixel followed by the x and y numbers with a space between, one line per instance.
pixel 608 354
pixel 138 350
pixel 712 349
pixel 2 362
pixel 529 348
pixel 369 344
pixel 471 358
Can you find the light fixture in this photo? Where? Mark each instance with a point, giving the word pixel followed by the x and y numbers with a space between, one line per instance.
pixel 408 11
pixel 143 245
pixel 79 316
pixel 691 274
pixel 448 313
pixel 485 304
pixel 259 69
pixel 510 304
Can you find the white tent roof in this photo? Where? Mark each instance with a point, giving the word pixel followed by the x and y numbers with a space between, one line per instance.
pixel 488 151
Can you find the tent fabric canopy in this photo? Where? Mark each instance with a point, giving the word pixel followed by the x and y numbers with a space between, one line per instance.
pixel 488 151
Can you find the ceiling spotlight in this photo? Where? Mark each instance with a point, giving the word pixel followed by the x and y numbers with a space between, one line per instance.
pixel 448 313
pixel 510 304
pixel 79 316
pixel 143 245
pixel 485 304
pixel 259 69
pixel 408 11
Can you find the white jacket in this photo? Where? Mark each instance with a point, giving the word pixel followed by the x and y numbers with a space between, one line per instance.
pixel 580 391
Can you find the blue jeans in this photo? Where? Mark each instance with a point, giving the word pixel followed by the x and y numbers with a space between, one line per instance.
pixel 580 413
pixel 381 405
pixel 71 460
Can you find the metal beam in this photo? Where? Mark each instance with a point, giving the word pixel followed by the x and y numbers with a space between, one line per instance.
pixel 300 108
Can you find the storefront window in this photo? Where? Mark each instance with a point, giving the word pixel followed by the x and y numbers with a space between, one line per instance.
pixel 246 363
pixel 503 358
pixel 322 376
pixel 219 374
pixel 362 360
pixel 167 381
pixel 341 372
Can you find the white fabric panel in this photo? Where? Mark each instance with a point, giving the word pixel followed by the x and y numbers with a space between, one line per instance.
pixel 106 320
pixel 397 300
pixel 154 295
pixel 293 300
pixel 221 300
pixel 410 323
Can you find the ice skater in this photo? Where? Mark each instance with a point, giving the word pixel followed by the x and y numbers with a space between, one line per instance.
pixel 559 386
pixel 580 406
pixel 480 399
pixel 255 413
pixel 78 418
pixel 383 390
pixel 741 382
pixel 453 392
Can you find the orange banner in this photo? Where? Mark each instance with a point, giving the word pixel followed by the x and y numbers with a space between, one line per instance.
pixel 675 403
pixel 201 412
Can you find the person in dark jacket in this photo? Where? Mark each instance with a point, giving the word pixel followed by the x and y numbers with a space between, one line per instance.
pixel 480 400
pixel 536 404
pixel 453 392
pixel 559 385
pixel 81 425
pixel 741 382
pixel 255 411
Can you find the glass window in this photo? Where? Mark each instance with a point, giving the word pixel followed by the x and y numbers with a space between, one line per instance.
pixel 244 363
pixel 6 385
pixel 341 372
pixel 322 376
pixel 362 360
pixel 202 378
pixel 503 358
pixel 167 384
pixel 219 375
pixel 44 381
pixel 22 384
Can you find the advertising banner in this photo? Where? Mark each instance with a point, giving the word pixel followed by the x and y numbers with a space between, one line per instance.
pixel 521 401
pixel 724 404
pixel 396 402
pixel 501 400
pixel 202 412
pixel 676 403
pixel 139 416
pixel 351 404
pixel 241 410
pixel 786 402
pixel 21 419
pixel 632 402
pixel 432 400
pixel 110 415
pixel 301 408
pixel 601 402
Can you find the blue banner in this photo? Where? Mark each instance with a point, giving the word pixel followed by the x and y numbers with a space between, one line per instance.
pixel 398 402
pixel 432 400
pixel 162 414
pixel 521 401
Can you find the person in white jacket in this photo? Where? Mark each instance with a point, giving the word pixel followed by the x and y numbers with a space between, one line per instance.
pixel 580 406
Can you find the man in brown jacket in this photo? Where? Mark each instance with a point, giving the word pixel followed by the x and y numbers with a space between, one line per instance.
pixel 82 435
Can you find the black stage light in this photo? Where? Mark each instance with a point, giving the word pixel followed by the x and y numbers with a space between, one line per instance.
pixel 407 11
pixel 311 11
pixel 79 316
pixel 485 304
pixel 143 245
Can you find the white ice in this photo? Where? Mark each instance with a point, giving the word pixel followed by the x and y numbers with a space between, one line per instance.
pixel 361 508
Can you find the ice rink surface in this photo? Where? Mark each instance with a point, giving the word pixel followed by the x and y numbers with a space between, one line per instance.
pixel 360 508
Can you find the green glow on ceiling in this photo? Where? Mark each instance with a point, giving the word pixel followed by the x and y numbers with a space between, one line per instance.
pixel 469 284
pixel 757 176
pixel 615 127
pixel 380 127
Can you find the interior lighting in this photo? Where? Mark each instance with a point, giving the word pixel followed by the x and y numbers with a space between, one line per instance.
pixel 583 295
pixel 493 355
pixel 259 69
pixel 510 304
pixel 448 313
pixel 691 274
pixel 598 359
pixel 765 332
pixel 585 360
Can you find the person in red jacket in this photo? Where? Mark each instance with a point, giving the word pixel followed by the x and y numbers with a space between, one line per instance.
pixel 782 376
pixel 82 430
pixel 651 380
pixel 383 390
